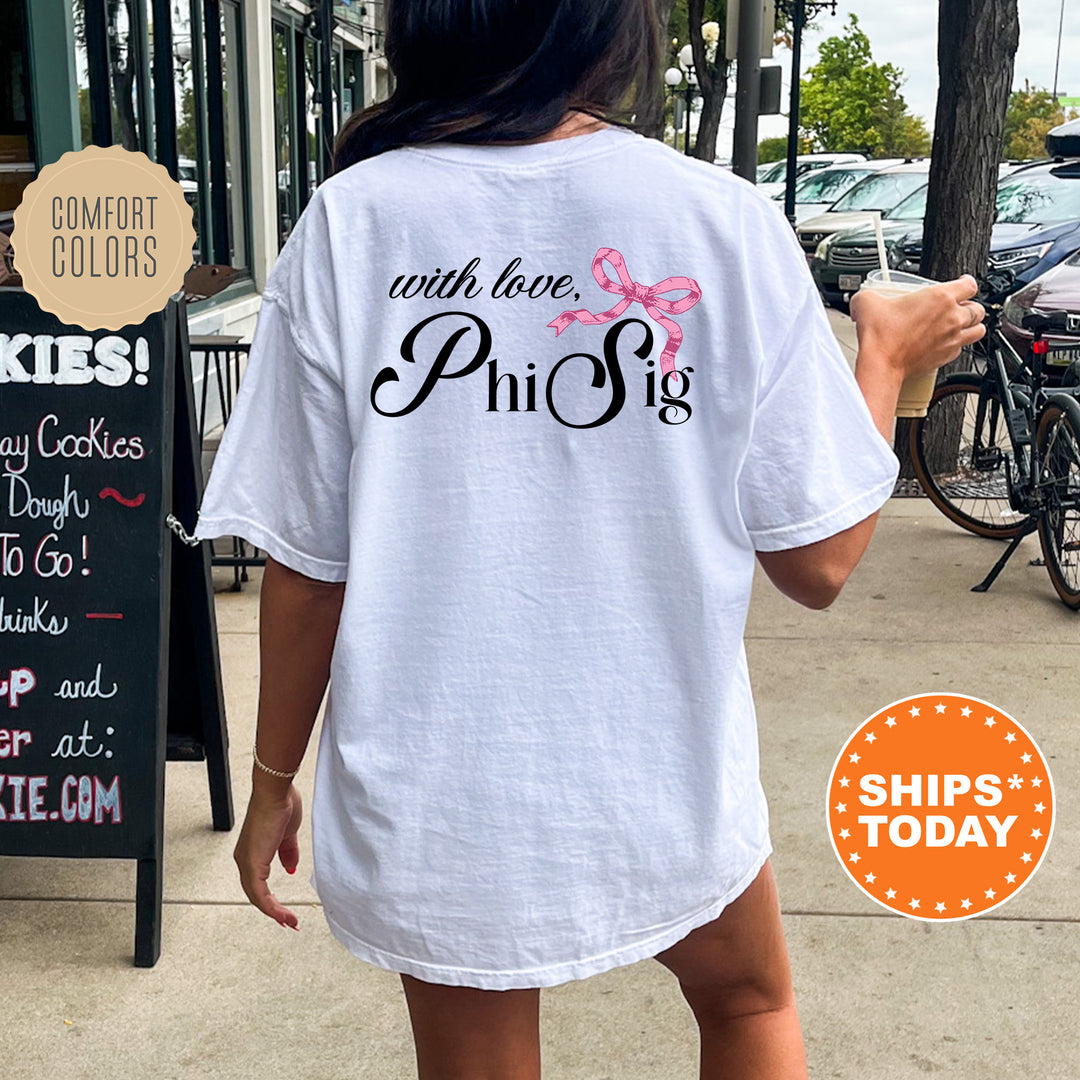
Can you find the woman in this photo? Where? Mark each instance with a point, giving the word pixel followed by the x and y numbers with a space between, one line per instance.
pixel 527 394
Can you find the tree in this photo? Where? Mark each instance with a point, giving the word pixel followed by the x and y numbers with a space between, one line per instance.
pixel 772 149
pixel 1031 113
pixel 707 20
pixel 902 133
pixel 977 42
pixel 702 23
pixel 852 105
pixel 912 138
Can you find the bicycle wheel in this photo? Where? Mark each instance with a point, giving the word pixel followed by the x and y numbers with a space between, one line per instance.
pixel 1058 441
pixel 960 451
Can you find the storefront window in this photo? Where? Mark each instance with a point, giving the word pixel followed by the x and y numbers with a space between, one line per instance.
pixel 312 113
pixel 123 48
pixel 283 129
pixel 82 74
pixel 304 148
pixel 170 78
pixel 204 126
pixel 16 159
pixel 232 88
pixel 187 151
pixel 112 41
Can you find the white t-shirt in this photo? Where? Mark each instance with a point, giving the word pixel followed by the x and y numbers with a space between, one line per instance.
pixel 539 757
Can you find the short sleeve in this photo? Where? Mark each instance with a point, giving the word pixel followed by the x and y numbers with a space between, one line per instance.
pixel 280 476
pixel 816 463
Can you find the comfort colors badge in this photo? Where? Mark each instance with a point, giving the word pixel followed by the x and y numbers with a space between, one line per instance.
pixel 103 237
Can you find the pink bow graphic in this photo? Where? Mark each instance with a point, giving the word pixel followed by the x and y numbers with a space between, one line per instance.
pixel 649 296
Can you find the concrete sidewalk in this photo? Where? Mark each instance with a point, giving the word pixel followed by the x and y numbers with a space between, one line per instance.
pixel 881 997
pixel 235 996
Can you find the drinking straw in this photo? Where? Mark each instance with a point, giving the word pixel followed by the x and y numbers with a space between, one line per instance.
pixel 883 256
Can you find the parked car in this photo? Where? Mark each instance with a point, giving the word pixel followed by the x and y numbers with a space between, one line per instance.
pixel 284 178
pixel 188 175
pixel 880 191
pixel 1038 225
pixel 1064 140
pixel 1056 290
pixel 1007 168
pixel 775 178
pixel 1038 221
pixel 816 191
pixel 843 259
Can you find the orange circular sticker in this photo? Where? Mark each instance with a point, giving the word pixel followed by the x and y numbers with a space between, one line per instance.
pixel 940 807
pixel 103 237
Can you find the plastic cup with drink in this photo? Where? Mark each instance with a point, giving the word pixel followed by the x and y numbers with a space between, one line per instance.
pixel 915 393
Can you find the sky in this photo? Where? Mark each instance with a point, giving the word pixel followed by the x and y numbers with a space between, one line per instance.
pixel 904 33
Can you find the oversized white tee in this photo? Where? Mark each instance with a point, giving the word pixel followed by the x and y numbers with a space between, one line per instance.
pixel 539 756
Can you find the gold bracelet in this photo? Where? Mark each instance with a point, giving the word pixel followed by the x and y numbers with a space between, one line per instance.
pixel 267 769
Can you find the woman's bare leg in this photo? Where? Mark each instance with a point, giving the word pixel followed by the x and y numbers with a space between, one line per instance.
pixel 462 1033
pixel 735 976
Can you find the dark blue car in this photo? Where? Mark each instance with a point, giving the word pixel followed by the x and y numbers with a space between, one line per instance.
pixel 1037 226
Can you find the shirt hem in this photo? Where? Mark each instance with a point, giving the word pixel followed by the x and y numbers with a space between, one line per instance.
pixel 278 549
pixel 835 521
pixel 551 974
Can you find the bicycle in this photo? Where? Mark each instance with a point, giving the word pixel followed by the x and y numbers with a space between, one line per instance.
pixel 998 453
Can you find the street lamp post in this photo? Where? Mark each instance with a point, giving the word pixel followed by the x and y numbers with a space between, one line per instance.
pixel 689 107
pixel 798 11
pixel 674 75
pixel 1057 63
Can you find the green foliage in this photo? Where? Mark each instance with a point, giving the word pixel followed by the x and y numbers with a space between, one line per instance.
pixel 85 127
pixel 912 138
pixel 185 129
pixel 902 133
pixel 1032 112
pixel 852 105
pixel 773 149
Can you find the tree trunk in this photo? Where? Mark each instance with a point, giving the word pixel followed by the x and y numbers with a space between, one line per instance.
pixel 123 77
pixel 712 83
pixel 649 100
pixel 977 42
pixel 712 105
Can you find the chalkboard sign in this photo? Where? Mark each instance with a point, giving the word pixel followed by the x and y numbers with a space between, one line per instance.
pixel 90 607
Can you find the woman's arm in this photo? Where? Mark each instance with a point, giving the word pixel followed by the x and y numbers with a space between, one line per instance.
pixel 897 338
pixel 298 621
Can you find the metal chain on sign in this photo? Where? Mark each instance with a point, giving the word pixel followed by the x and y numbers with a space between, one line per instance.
pixel 182 534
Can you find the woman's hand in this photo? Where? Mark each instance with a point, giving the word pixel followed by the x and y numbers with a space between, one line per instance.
pixel 270 828
pixel 920 332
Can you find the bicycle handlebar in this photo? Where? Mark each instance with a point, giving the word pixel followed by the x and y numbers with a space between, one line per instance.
pixel 995 287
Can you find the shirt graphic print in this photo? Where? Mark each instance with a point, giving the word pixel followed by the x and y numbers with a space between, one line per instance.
pixel 538 420
pixel 606 373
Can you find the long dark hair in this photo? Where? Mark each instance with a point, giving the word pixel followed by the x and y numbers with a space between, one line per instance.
pixel 504 70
